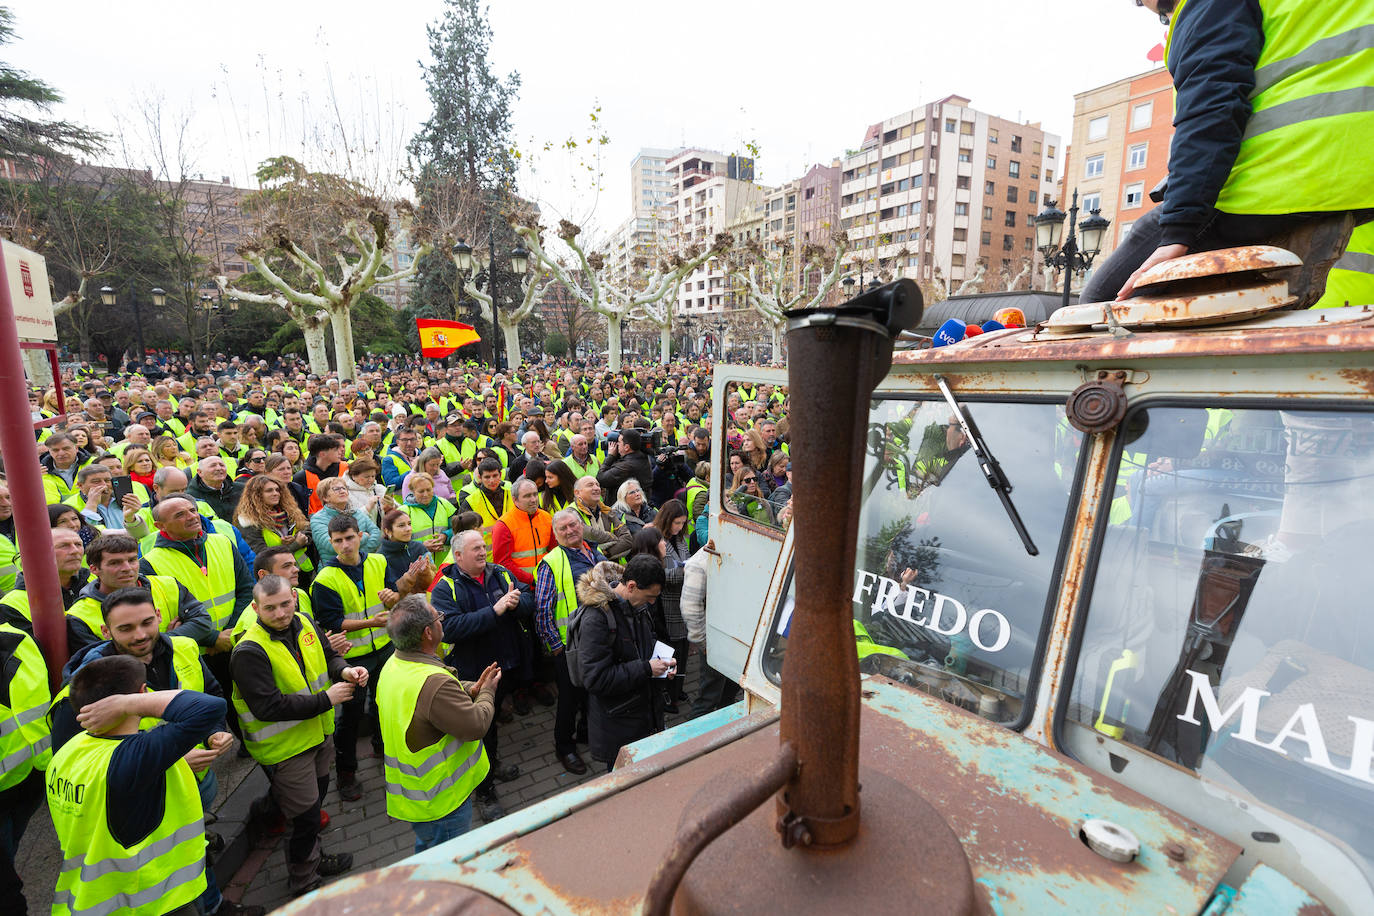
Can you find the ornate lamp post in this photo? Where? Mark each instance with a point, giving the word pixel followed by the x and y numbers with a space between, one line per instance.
pixel 1071 257
pixel 470 264
pixel 109 298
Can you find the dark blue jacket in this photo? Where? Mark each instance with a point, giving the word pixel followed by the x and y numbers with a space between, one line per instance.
pixel 478 634
pixel 1212 57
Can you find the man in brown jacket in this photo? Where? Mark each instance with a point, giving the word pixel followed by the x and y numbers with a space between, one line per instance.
pixel 431 721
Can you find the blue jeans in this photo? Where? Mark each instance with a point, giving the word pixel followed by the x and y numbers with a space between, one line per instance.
pixel 454 824
pixel 210 898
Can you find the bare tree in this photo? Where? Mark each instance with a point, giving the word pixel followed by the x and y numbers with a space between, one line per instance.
pixel 193 217
pixel 329 244
pixel 644 295
pixel 772 285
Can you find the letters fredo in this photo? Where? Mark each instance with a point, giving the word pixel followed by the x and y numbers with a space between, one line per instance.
pixel 947 615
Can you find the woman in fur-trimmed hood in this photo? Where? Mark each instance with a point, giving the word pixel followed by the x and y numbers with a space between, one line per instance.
pixel 617 647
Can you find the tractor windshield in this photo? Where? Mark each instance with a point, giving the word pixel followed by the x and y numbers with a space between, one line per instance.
pixel 946 598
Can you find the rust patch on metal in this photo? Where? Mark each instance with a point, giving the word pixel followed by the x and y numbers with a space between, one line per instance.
pixel 387 891
pixel 1180 344
pixel 1244 259
pixel 1361 378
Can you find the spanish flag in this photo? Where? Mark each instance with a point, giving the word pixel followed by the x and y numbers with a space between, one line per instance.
pixel 442 338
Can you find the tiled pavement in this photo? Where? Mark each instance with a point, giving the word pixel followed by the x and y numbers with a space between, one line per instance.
pixel 364 829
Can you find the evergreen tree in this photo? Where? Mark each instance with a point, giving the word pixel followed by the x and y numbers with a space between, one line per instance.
pixel 462 161
pixel 467 137
pixel 24 139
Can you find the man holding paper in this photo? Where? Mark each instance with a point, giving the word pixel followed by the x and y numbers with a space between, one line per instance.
pixel 619 661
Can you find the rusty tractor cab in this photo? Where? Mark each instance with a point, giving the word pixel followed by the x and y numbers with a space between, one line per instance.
pixel 1069 617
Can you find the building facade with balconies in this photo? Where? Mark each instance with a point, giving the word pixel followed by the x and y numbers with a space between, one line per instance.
pixel 936 188
pixel 1121 137
pixel 708 197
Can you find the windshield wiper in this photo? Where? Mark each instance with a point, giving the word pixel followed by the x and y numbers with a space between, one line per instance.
pixel 991 469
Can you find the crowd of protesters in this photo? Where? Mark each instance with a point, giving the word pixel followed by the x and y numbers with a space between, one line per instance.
pixel 298 562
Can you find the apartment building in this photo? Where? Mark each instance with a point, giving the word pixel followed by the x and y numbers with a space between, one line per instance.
pixel 650 186
pixel 1121 137
pixel 711 190
pixel 639 237
pixel 942 185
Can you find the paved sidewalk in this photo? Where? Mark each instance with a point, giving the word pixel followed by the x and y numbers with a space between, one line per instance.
pixel 375 839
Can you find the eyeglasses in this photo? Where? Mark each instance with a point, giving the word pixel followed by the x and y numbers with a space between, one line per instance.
pixel 255 459
pixel 749 480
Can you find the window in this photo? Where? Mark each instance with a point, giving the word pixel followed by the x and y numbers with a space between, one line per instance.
pixel 965 156
pixel 1142 115
pixel 959 567
pixel 1049 152
pixel 1015 144
pixel 1125 231
pixel 1011 218
pixel 992 162
pixel 961 209
pixel 949 125
pixel 1093 166
pixel 960 235
pixel 956 260
pixel 992 135
pixel 966 128
pixel 1136 156
pixel 1027 244
pixel 1135 195
pixel 1030 196
pixel 989 188
pixel 917 180
pixel 889 162
pixel 1008 243
pixel 962 183
pixel 1035 148
pixel 1049 174
pixel 1014 169
pixel 1011 193
pixel 1097 128
pixel 1091 202
pixel 987 214
pixel 987 238
pixel 1254 673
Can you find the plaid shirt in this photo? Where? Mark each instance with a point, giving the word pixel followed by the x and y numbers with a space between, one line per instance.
pixel 546 596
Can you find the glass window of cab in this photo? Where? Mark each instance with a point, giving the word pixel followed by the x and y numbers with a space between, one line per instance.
pixel 946 597
pixel 756 481
pixel 1229 628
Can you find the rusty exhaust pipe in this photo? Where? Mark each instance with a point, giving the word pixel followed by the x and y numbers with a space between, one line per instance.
pixel 837 357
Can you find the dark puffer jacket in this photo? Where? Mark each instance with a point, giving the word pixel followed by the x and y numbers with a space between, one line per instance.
pixel 623 701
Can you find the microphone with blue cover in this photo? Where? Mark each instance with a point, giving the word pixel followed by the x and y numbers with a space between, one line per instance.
pixel 951 332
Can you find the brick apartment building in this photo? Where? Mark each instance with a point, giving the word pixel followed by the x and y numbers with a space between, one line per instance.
pixel 1121 137
pixel 943 185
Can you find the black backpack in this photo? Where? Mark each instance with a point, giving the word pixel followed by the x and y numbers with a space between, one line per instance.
pixel 572 647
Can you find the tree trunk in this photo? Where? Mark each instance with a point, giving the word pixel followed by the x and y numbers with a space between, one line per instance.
pixel 38 369
pixel 613 342
pixel 777 342
pixel 313 331
pixel 665 344
pixel 342 322
pixel 511 332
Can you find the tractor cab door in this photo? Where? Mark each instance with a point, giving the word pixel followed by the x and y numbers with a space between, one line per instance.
pixel 748 512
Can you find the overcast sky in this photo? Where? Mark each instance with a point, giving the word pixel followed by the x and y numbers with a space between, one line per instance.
pixel 802 81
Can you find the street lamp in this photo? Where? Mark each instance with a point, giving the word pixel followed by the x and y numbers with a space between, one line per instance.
pixel 462 256
pixel 1070 257
pixel 108 297
pixel 468 264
